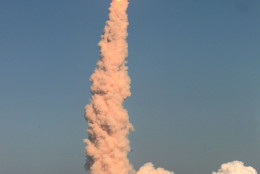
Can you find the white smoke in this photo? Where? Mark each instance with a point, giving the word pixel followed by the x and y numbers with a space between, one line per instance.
pixel 235 167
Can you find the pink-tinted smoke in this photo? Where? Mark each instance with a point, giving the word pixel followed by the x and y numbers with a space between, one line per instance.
pixel 108 144
pixel 109 126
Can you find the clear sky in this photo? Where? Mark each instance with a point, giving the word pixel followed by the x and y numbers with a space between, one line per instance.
pixel 195 70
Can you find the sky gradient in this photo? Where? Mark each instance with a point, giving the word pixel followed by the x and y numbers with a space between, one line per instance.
pixel 195 83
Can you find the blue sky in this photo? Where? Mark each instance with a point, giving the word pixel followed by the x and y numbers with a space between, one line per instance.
pixel 195 86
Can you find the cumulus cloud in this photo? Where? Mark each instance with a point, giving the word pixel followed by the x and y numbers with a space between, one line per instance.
pixel 148 168
pixel 235 167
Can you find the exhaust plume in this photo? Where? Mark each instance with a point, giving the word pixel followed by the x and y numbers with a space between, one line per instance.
pixel 109 126
pixel 108 122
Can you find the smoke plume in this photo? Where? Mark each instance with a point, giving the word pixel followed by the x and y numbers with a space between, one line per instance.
pixel 108 145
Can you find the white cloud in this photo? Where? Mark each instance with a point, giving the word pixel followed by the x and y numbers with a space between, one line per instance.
pixel 235 167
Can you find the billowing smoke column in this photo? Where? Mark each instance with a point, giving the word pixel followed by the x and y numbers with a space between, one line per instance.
pixel 108 145
pixel 109 126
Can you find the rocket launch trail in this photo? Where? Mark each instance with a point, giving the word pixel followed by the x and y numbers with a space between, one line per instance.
pixel 108 122
pixel 108 145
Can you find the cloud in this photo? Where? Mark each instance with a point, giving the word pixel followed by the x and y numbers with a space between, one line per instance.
pixel 235 167
pixel 148 168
